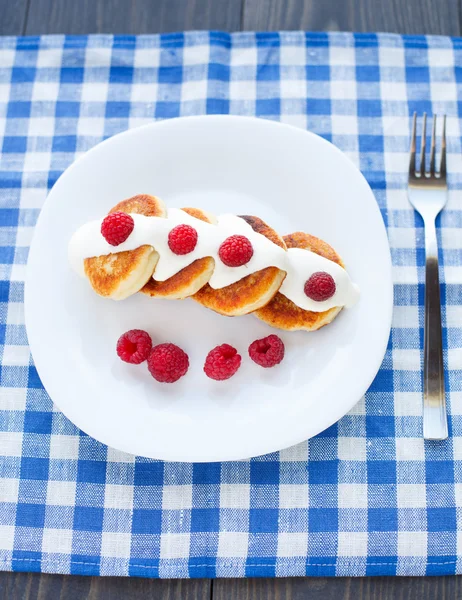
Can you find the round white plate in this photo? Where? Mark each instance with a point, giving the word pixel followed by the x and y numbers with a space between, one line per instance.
pixel 292 179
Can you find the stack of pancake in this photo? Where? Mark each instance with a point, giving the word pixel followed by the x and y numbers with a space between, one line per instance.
pixel 122 274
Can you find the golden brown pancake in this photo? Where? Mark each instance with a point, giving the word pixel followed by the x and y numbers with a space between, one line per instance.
pixel 190 279
pixel 281 312
pixel 251 292
pixel 141 204
pixel 121 274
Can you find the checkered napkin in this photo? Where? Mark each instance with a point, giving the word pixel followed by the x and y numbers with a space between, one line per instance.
pixel 366 497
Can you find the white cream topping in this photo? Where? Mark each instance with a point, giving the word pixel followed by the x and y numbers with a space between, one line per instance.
pixel 299 264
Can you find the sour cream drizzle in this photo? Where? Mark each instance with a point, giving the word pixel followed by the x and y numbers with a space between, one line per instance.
pixel 299 264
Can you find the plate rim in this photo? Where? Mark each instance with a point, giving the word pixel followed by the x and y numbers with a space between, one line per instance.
pixel 355 396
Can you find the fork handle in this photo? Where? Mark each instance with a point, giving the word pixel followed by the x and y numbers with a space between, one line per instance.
pixel 435 423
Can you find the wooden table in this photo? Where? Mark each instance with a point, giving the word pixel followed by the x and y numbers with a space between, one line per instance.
pixel 32 17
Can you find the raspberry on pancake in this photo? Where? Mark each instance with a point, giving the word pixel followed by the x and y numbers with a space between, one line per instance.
pixel 189 280
pixel 281 312
pixel 251 292
pixel 121 274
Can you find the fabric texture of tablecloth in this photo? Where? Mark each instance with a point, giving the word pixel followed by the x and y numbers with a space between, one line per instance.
pixel 366 497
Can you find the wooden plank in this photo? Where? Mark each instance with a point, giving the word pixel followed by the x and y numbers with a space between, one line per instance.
pixel 398 16
pixel 12 16
pixel 131 17
pixel 150 16
pixel 32 586
pixel 340 588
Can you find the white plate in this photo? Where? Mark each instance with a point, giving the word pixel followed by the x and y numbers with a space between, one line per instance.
pixel 292 179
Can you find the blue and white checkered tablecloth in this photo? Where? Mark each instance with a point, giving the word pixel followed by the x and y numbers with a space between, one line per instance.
pixel 366 497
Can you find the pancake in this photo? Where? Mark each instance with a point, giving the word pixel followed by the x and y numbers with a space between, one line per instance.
pixel 121 274
pixel 251 292
pixel 281 312
pixel 141 204
pixel 189 280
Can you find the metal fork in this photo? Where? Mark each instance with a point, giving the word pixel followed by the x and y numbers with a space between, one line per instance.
pixel 428 193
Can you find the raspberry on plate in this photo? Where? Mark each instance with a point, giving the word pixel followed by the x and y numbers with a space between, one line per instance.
pixel 268 351
pixel 167 363
pixel 116 228
pixel 182 239
pixel 222 362
pixel 320 286
pixel 134 346
pixel 235 251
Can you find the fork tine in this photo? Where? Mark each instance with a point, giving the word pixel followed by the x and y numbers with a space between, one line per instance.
pixel 432 150
pixel 443 150
pixel 413 146
pixel 423 145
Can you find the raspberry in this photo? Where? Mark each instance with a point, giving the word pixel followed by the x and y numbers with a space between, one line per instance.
pixel 116 228
pixel 182 239
pixel 134 346
pixel 167 363
pixel 222 362
pixel 268 351
pixel 320 286
pixel 235 251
